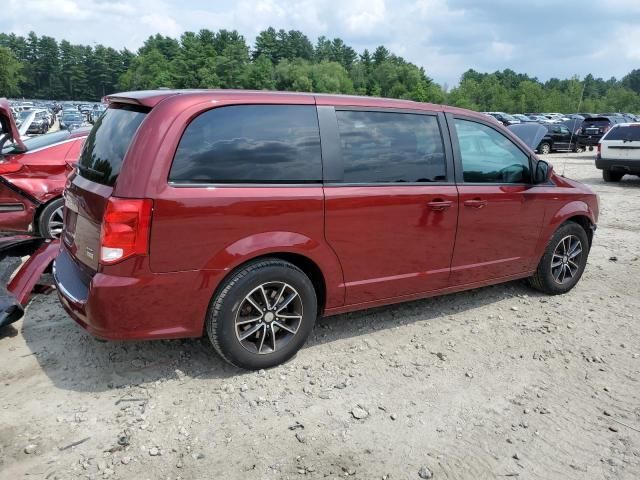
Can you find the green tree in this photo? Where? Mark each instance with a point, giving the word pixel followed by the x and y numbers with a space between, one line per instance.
pixel 10 73
pixel 261 74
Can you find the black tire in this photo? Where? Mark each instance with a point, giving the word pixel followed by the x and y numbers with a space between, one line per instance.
pixel 231 302
pixel 544 279
pixel 48 218
pixel 610 176
pixel 545 148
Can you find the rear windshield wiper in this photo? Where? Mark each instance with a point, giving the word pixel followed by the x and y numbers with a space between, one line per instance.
pixel 84 168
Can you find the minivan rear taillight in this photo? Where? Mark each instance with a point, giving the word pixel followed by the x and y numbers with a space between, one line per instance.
pixel 125 229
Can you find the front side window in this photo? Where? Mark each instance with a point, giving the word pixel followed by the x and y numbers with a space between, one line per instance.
pixel 387 147
pixel 488 156
pixel 250 144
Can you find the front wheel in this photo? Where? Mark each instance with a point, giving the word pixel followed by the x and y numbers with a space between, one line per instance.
pixel 563 262
pixel 545 148
pixel 609 176
pixel 51 219
pixel 263 314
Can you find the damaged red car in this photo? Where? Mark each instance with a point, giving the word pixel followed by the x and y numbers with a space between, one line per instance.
pixel 33 173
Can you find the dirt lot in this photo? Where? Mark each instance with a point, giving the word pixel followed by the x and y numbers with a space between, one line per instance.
pixel 495 383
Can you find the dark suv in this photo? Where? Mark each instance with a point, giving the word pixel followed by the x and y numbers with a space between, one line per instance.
pixel 558 137
pixel 593 129
pixel 245 215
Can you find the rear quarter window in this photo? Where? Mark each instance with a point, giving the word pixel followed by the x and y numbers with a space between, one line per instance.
pixel 250 144
pixel 107 144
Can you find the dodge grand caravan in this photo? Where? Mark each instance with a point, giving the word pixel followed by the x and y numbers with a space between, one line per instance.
pixel 246 215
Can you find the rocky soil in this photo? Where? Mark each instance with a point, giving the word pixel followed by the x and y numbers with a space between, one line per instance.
pixel 500 382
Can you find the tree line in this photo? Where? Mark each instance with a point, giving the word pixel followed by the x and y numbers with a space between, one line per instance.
pixel 42 67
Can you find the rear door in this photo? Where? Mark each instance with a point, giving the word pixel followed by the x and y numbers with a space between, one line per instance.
pixel 501 212
pixel 560 140
pixel 564 138
pixel 391 204
pixel 97 172
pixel 622 143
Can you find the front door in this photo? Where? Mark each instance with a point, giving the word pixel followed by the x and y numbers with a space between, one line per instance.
pixel 501 212
pixel 391 210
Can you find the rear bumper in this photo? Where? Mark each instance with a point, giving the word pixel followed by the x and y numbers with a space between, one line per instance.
pixel 618 165
pixel 147 306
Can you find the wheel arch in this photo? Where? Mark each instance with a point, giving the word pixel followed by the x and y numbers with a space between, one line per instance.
pixel 310 268
pixel 40 208
pixel 585 222
pixel 578 212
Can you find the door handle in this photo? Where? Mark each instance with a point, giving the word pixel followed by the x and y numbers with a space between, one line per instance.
pixel 475 203
pixel 439 205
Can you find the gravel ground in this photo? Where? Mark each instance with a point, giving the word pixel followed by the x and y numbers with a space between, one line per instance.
pixel 498 382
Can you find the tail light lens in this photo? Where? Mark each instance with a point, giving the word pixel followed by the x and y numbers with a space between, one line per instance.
pixel 125 229
pixel 599 148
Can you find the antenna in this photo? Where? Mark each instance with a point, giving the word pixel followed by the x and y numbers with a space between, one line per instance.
pixel 564 164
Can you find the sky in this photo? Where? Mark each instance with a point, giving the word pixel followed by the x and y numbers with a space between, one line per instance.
pixel 544 38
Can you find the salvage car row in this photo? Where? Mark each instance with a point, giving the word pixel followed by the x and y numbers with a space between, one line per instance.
pixel 567 132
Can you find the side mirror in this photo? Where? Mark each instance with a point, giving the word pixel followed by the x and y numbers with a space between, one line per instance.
pixel 542 172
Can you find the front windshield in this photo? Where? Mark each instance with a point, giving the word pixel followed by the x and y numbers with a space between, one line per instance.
pixel 24 114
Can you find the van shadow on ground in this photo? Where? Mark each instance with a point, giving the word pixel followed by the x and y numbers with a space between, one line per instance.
pixel 75 361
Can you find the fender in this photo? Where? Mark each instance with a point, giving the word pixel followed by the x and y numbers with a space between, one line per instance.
pixel 18 291
pixel 28 276
pixel 271 243
pixel 568 210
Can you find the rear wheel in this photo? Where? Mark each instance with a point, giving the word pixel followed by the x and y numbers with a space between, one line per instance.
pixel 610 176
pixel 545 148
pixel 51 219
pixel 263 314
pixel 564 260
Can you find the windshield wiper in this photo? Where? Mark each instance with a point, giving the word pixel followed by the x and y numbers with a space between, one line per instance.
pixel 91 170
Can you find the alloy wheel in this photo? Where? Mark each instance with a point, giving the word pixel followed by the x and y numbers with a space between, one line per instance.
pixel 56 222
pixel 566 259
pixel 268 317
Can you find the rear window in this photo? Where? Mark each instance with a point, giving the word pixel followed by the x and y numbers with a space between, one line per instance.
pixel 107 144
pixel 250 144
pixel 597 121
pixel 385 147
pixel 627 133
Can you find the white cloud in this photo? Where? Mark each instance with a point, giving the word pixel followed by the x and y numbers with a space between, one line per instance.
pixel 364 16
pixel 446 37
pixel 163 24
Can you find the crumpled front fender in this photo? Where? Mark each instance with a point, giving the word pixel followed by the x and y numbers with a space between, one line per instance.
pixel 16 295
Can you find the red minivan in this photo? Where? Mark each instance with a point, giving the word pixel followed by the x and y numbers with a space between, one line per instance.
pixel 246 215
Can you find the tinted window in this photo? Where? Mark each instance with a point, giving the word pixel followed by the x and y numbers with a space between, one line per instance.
pixel 108 143
pixel 629 133
pixel 390 147
pixel 250 144
pixel 488 156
